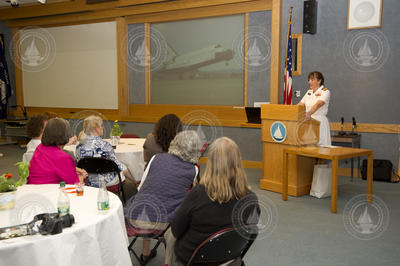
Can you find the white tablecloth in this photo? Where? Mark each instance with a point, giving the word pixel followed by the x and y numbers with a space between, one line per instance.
pixel 95 238
pixel 130 152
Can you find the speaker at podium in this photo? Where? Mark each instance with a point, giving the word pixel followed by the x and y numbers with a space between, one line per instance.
pixel 283 126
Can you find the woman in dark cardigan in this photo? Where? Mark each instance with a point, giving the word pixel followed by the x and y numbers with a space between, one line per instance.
pixel 164 185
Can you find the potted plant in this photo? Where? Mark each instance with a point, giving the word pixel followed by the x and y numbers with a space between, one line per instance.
pixel 115 133
pixel 8 187
pixel 116 130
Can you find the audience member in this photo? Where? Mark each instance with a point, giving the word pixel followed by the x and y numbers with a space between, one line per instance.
pixel 49 115
pixel 164 132
pixel 209 206
pixel 92 145
pixel 34 130
pixel 166 181
pixel 72 140
pixel 50 164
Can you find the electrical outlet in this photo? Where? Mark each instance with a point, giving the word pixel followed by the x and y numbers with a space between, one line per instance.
pixel 297 93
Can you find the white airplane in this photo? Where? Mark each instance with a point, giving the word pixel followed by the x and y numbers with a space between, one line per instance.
pixel 192 61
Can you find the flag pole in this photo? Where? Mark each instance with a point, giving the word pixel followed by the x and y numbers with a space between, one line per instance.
pixel 289 24
pixel 286 92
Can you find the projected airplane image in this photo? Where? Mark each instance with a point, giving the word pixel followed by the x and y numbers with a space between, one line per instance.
pixel 187 65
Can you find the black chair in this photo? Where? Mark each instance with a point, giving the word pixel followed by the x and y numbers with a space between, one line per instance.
pixel 223 246
pixel 145 233
pixel 97 165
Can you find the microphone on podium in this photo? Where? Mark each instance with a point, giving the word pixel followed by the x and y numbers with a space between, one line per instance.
pixel 354 125
pixel 342 126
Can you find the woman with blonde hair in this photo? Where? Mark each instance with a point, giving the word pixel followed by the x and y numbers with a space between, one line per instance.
pixel 92 145
pixel 208 207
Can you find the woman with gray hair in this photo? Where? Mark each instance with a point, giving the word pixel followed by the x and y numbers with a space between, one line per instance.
pixel 165 182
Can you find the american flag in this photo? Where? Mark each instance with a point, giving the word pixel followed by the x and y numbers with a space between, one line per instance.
pixel 5 88
pixel 287 91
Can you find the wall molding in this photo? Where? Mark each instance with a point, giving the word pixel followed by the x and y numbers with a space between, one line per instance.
pixel 258 165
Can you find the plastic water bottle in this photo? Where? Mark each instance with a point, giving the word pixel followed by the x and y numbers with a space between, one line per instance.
pixel 103 203
pixel 63 204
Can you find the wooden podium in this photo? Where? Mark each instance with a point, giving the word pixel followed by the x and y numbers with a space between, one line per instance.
pixel 283 127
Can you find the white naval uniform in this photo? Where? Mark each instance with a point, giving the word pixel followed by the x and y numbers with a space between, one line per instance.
pixel 309 100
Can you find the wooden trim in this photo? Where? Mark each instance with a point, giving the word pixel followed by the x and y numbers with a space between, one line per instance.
pixel 361 128
pixel 246 164
pixel 123 76
pixel 65 7
pixel 201 12
pixel 259 165
pixel 252 164
pixel 184 5
pixel 275 70
pixel 228 116
pixel 203 160
pixel 246 58
pixel 299 38
pixel 69 112
pixel 368 128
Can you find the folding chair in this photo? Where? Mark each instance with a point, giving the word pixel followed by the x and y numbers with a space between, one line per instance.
pixel 145 233
pixel 224 246
pixel 97 165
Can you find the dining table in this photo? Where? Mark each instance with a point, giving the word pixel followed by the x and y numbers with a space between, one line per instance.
pixel 129 151
pixel 96 237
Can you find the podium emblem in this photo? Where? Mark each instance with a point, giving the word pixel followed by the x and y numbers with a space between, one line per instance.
pixel 278 131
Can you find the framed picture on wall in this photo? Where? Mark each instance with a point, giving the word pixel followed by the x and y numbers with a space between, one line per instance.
pixel 364 14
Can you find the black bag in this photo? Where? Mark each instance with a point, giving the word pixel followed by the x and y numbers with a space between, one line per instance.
pixel 382 170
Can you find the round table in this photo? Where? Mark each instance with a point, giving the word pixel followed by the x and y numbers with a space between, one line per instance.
pixel 96 238
pixel 130 152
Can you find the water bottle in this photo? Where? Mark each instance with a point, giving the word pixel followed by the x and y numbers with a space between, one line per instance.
pixel 63 201
pixel 114 142
pixel 103 203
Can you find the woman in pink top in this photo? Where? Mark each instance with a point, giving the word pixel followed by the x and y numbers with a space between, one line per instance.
pixel 50 164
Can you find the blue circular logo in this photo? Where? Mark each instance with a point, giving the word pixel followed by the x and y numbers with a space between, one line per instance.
pixel 278 131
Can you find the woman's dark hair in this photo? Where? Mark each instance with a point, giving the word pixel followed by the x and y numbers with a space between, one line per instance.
pixel 318 75
pixel 56 132
pixel 35 125
pixel 166 129
pixel 49 115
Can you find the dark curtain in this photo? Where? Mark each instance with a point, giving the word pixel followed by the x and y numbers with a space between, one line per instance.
pixel 5 87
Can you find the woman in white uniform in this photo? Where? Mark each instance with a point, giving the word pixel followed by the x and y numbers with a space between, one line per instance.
pixel 316 101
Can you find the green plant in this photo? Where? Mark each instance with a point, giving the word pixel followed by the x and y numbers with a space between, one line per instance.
pixel 7 185
pixel 116 130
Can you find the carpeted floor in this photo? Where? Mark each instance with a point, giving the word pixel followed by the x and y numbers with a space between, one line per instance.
pixel 303 231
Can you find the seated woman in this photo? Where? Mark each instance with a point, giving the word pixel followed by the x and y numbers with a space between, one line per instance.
pixel 92 145
pixel 34 130
pixel 166 181
pixel 50 164
pixel 209 206
pixel 164 132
